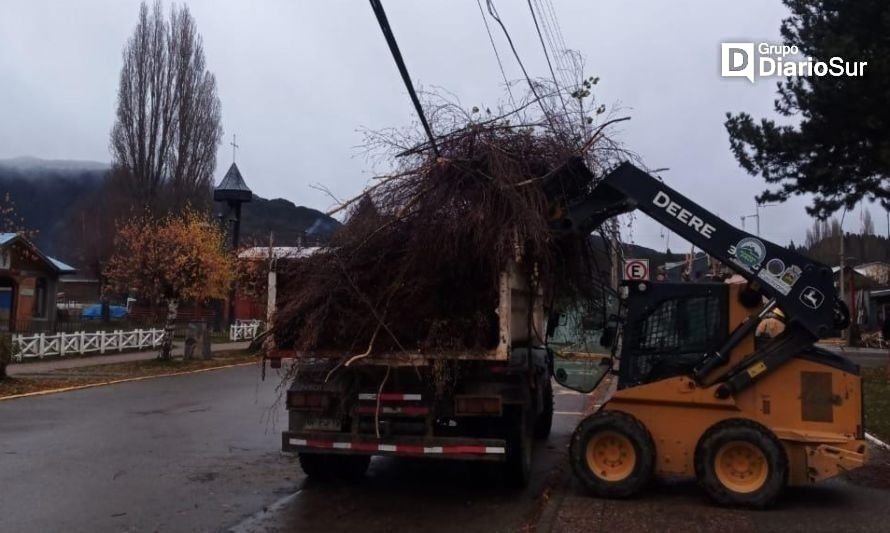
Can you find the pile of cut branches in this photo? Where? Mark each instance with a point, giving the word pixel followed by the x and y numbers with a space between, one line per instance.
pixel 416 265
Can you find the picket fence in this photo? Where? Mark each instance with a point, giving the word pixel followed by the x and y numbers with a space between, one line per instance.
pixel 41 345
pixel 244 331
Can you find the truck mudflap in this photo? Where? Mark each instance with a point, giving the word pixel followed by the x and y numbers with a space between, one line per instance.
pixel 432 447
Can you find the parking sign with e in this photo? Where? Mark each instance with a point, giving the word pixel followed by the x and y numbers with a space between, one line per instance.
pixel 636 269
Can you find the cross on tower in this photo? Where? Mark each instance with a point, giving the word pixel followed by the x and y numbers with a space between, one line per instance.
pixel 234 146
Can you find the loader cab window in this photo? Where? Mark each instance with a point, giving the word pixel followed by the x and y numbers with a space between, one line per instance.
pixel 682 325
pixel 670 329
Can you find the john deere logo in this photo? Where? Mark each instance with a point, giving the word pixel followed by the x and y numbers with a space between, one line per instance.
pixel 812 297
pixel 750 251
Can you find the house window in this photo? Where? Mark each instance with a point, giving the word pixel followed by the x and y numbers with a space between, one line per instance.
pixel 40 298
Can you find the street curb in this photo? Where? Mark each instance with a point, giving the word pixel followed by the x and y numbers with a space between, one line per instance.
pixel 116 381
pixel 547 520
pixel 548 517
pixel 254 521
pixel 877 442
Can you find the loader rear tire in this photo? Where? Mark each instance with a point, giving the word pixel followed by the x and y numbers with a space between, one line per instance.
pixel 741 463
pixel 612 454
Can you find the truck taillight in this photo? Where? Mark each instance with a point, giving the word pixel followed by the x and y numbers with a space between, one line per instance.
pixel 477 405
pixel 307 400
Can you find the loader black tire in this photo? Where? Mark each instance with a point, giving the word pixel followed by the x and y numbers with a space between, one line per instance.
pixel 520 440
pixel 544 423
pixel 327 466
pixel 741 463
pixel 612 454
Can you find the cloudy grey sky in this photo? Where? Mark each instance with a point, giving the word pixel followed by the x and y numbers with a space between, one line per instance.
pixel 297 79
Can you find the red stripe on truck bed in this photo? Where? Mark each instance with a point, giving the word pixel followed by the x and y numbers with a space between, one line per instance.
pixel 407 449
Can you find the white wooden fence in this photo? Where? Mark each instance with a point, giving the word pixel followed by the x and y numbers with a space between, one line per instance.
pixel 41 345
pixel 245 330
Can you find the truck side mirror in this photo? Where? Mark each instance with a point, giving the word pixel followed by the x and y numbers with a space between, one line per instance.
pixel 580 373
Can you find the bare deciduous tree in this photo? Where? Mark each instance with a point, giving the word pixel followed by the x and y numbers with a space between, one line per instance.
pixel 167 130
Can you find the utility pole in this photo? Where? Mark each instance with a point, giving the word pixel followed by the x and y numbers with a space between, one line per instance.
pixel 840 274
pixel 757 211
pixel 615 277
pixel 755 216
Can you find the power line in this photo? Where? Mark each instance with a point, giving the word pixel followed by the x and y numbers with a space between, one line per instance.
pixel 493 12
pixel 558 30
pixel 556 50
pixel 547 57
pixel 496 55
pixel 377 6
pixel 569 63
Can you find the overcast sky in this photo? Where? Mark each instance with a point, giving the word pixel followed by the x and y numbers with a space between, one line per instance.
pixel 297 79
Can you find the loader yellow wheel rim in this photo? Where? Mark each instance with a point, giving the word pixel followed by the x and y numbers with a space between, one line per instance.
pixel 741 467
pixel 611 456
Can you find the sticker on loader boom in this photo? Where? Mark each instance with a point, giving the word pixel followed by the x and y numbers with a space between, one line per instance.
pixel 778 277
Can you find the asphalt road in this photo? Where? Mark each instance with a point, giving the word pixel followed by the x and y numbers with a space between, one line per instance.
pixel 858 501
pixel 401 494
pixel 865 357
pixel 187 453
pixel 200 453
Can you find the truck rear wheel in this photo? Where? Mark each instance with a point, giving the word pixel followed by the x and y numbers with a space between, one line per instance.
pixel 326 466
pixel 518 468
pixel 741 463
pixel 612 454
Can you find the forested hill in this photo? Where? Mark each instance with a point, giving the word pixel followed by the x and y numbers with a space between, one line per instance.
pixel 291 224
pixel 46 192
pixel 632 251
pixel 51 195
pixel 858 249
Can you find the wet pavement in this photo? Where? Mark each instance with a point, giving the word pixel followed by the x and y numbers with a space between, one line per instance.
pixel 430 495
pixel 200 452
pixel 856 502
pixel 186 453
pixel 864 357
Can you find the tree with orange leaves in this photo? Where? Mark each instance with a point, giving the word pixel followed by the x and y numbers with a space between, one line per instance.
pixel 171 259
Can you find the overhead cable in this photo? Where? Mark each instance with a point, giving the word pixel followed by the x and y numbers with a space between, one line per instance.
pixel 377 6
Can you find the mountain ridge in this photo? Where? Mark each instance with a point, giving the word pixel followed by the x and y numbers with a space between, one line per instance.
pixel 48 195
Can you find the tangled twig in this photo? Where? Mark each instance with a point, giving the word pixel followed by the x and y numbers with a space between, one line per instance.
pixel 422 248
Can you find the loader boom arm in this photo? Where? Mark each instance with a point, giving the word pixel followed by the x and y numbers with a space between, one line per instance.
pixel 801 287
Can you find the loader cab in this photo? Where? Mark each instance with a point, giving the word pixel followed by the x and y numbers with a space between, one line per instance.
pixel 667 328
